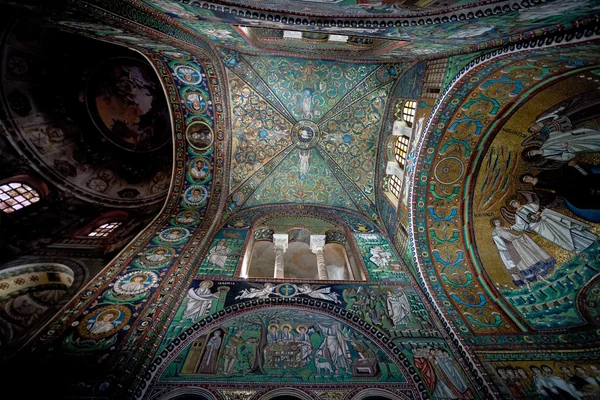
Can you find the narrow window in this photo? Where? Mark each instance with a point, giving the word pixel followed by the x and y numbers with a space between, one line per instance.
pixel 394 186
pixel 408 112
pixel 401 150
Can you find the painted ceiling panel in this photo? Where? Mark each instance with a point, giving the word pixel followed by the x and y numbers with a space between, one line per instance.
pixel 309 88
pixel 303 177
pixel 351 138
pixel 259 131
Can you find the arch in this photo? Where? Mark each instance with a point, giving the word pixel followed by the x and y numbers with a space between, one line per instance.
pixel 186 393
pixel 286 393
pixel 294 313
pixel 526 68
pixel 308 254
pixel 377 394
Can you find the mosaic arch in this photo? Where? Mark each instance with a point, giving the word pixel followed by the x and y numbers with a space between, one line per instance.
pixel 290 343
pixel 118 310
pixel 482 279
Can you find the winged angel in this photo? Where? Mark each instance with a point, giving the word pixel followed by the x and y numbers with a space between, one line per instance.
pixel 262 292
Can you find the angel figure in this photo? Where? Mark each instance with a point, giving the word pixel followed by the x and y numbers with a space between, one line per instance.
pixel 261 292
pixel 567 233
pixel 324 293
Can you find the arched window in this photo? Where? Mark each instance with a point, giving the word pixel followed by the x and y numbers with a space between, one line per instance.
pixel 401 150
pixel 394 185
pixel 105 229
pixel 408 112
pixel 16 195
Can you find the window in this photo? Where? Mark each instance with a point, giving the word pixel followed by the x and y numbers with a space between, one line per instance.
pixel 105 229
pixel 408 112
pixel 401 150
pixel 16 195
pixel 394 185
pixel 434 78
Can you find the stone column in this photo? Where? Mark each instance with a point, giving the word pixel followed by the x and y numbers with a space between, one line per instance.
pixel 317 242
pixel 281 244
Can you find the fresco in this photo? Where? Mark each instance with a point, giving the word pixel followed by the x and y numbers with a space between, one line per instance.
pixel 291 345
pixel 542 242
pixel 380 259
pixel 126 102
pixel 53 138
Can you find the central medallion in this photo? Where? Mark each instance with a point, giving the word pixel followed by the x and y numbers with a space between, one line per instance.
pixel 305 134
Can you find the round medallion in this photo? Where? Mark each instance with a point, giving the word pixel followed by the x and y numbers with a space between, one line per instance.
pixel 449 170
pixel 195 101
pixel 157 256
pixel 104 322
pixel 187 74
pixel 187 217
pixel 196 195
pixel 199 135
pixel 174 234
pixel 135 282
pixel 286 290
pixel 305 134
pixel 200 170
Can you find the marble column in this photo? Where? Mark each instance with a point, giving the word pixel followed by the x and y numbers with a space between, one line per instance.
pixel 317 243
pixel 281 244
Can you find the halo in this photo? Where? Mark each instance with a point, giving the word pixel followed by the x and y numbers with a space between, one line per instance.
pixel 208 284
pixel 286 326
pixel 111 311
pixel 275 325
pixel 301 326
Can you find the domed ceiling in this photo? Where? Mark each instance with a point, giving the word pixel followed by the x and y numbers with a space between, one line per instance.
pixel 305 131
pixel 97 126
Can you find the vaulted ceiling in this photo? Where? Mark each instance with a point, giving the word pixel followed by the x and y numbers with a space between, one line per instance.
pixel 305 131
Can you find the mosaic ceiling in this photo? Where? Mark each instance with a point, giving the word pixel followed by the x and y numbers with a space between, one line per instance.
pixel 305 131
pixel 373 30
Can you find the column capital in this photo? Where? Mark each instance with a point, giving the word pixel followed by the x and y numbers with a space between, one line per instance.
pixel 317 242
pixel 280 240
